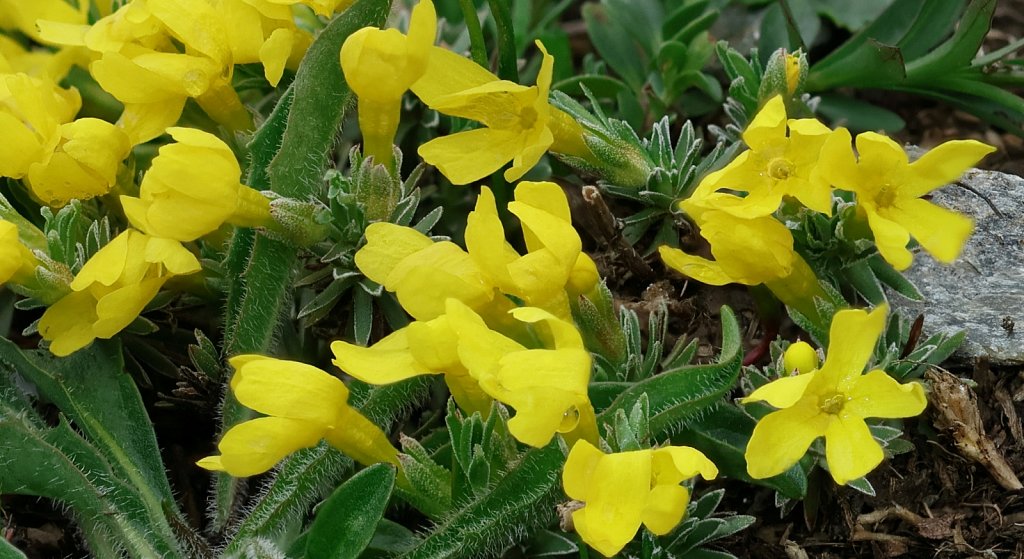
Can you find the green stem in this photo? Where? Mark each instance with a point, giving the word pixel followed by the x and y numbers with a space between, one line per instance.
pixel 508 69
pixel 477 47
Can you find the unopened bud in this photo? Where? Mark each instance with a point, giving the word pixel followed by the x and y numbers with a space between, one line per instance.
pixel 800 357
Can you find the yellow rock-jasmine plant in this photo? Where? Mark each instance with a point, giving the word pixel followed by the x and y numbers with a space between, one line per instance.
pixel 192 188
pixel 889 190
pixel 623 490
pixel 832 402
pixel 112 288
pixel 303 405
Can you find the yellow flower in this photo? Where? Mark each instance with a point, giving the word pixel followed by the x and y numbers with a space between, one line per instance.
pixel 380 65
pixel 31 113
pixel 112 288
pixel 17 263
pixel 832 402
pixel 82 165
pixel 516 118
pixel 422 273
pixel 751 252
pixel 777 164
pixel 263 32
pixel 426 347
pixel 889 190
pixel 23 15
pixel 193 188
pixel 139 64
pixel 621 491
pixel 303 405
pixel 554 262
pixel 547 387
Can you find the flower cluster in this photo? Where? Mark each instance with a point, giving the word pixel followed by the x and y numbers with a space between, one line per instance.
pixel 154 56
pixel 468 326
pixel 519 123
pixel 800 161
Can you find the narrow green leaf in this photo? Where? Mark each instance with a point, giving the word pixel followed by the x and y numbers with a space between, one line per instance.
pixel 519 502
pixel 346 521
pixel 508 68
pixel 91 388
pixel 8 551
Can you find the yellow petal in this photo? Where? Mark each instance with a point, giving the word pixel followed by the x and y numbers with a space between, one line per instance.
pixel 943 165
pixel 564 334
pixel 471 155
pixel 799 358
pixel 700 269
pixel 67 324
pixel 768 125
pixel 943 233
pixel 535 145
pixel 448 73
pixel 172 255
pixel 275 53
pixel 196 24
pixel 783 392
pixel 290 389
pixel 425 280
pixel 255 446
pixel 433 343
pixel 616 499
pixel 485 241
pixel 579 469
pixel 19 149
pixel 122 306
pixel 850 449
pixel 385 362
pixel 877 394
pixel 145 121
pixel 665 508
pixel 852 339
pixel 891 239
pixel 673 464
pixel 781 438
pixel 879 154
pixel 388 244
pixel 107 265
pixel 837 162
pixel 750 251
pixel 361 439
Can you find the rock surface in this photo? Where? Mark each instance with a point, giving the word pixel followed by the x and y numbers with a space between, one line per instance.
pixel 982 293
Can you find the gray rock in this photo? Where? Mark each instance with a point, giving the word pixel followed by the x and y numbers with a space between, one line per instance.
pixel 981 293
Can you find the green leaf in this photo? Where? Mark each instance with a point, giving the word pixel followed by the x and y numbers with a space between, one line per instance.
pixel 302 479
pixel 8 551
pixel 59 464
pixel 959 50
pixel 857 115
pixel 851 15
pixel 682 394
pixel 550 544
pixel 615 45
pixel 91 387
pixel 515 505
pixel 346 521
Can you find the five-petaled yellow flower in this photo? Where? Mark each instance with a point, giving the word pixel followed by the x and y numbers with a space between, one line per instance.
pixel 889 190
pixel 621 491
pixel 303 405
pixel 112 288
pixel 832 402
pixel 516 118
pixel 782 161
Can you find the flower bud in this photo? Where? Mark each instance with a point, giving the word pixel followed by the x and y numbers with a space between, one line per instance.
pixel 800 357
